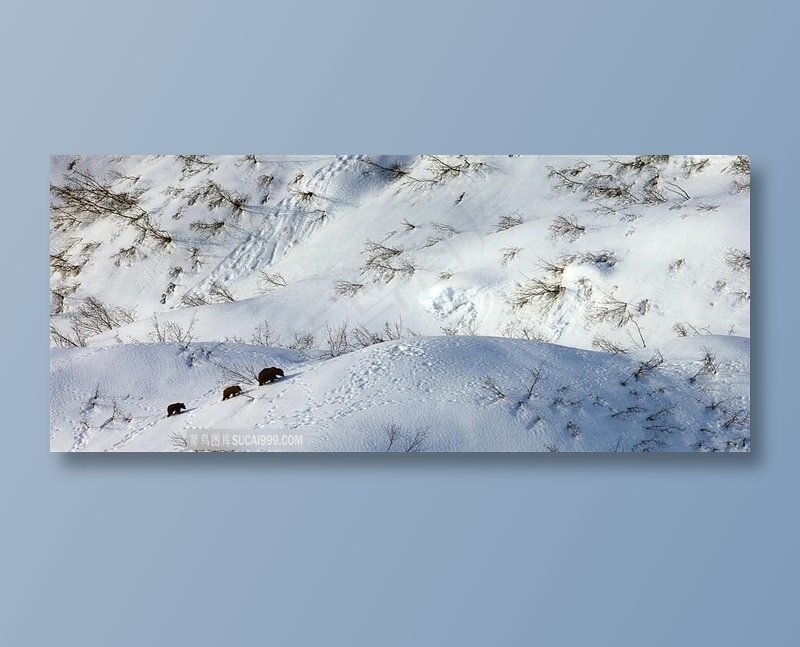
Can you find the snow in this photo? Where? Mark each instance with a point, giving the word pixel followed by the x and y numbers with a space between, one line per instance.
pixel 650 272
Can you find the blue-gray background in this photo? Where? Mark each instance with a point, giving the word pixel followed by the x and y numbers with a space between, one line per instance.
pixel 398 550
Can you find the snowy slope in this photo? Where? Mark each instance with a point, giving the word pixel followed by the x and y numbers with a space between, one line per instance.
pixel 390 288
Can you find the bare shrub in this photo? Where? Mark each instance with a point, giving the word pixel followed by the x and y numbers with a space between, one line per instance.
pixel 567 227
pixel 208 228
pixel 399 440
pixel 494 391
pixel 740 167
pixel 508 221
pixel 61 264
pixel 685 329
pixel 690 167
pixel 215 196
pixel 708 367
pixel 379 261
pixel 347 288
pixel 542 292
pixel 645 367
pixel 193 300
pixel 445 229
pixel 509 254
pixel 268 282
pixel 242 372
pixel 264 335
pixel 302 341
pixel 221 292
pixel 338 340
pixel 606 345
pixel 617 312
pixel 194 164
pixel 127 255
pixel 361 336
pixel 738 259
pixel 171 331
pixel 603 258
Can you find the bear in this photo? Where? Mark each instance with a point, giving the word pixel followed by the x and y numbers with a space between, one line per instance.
pixel 231 391
pixel 175 409
pixel 269 375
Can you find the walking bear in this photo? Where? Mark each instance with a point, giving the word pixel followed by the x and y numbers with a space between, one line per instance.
pixel 269 375
pixel 175 409
pixel 230 391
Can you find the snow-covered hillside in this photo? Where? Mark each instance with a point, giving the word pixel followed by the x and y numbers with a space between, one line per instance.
pixel 438 303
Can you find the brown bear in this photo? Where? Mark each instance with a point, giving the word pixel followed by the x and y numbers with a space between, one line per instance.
pixel 269 375
pixel 175 409
pixel 230 391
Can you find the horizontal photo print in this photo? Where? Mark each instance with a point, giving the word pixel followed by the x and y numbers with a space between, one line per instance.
pixel 400 303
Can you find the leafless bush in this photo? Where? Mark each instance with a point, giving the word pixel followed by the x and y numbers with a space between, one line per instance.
pixel 266 180
pixel 651 190
pixel 303 341
pixel 194 164
pixel 405 441
pixel 445 276
pixel 515 330
pixel 208 228
pixel 508 221
pixel 639 162
pixel 193 300
pixel 194 257
pixel 361 336
pixel 543 292
pixel 59 295
pixel 126 255
pixel 603 258
pixel 61 264
pixel 304 196
pixel 740 167
pixel 685 329
pixel 645 367
pixel 83 199
pixel 337 341
pixel 216 196
pixel 690 167
pixel 608 346
pixel 617 312
pixel 221 292
pixel 268 282
pixel 173 191
pixel 443 168
pixel 395 171
pixel 171 331
pixel 74 338
pixel 379 261
pixel 241 372
pixel 509 254
pixel 264 335
pixel 347 288
pixel 93 317
pixel 739 417
pixel 494 391
pixel 535 376
pixel 708 367
pixel 567 227
pixel 738 259
pixel 565 178
pixel 409 226
pixel 445 229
